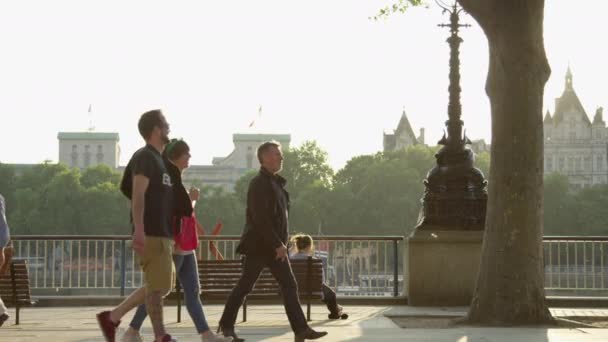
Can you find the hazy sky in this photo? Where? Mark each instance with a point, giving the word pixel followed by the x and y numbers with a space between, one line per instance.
pixel 320 68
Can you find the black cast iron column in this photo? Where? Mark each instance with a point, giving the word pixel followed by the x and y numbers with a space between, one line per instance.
pixel 455 196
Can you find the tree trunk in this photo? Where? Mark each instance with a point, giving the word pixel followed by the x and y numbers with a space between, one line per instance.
pixel 510 285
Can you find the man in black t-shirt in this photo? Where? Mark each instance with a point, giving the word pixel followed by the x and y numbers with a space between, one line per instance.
pixel 148 162
pixel 148 185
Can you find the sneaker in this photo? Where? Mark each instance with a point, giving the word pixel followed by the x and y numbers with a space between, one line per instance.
pixel 108 328
pixel 3 318
pixel 132 337
pixel 211 337
pixel 309 334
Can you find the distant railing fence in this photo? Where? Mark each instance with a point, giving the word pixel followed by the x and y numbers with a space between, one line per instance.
pixel 576 264
pixel 354 265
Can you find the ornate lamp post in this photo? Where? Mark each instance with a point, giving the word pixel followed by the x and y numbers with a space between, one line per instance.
pixel 455 196
pixel 444 249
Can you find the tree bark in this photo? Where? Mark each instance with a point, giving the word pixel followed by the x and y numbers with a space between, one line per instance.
pixel 510 285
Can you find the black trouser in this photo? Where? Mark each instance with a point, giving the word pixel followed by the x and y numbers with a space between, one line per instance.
pixel 281 270
pixel 329 298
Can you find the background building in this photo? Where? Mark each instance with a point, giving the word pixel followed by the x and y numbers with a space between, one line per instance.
pixel 225 171
pixel 574 145
pixel 86 149
pixel 479 146
pixel 402 137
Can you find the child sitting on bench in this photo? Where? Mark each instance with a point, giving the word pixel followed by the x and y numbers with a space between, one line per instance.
pixel 303 248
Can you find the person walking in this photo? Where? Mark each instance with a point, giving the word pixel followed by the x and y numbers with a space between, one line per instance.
pixel 147 184
pixel 264 244
pixel 177 157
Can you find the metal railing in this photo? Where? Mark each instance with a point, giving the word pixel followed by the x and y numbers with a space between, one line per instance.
pixel 576 265
pixel 68 265
pixel 75 264
pixel 354 265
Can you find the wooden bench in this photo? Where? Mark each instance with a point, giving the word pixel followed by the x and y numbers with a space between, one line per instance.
pixel 219 277
pixel 15 287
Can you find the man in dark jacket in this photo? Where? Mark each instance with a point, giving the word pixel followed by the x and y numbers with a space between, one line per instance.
pixel 264 244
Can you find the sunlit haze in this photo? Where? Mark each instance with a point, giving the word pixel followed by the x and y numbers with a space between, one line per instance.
pixel 321 70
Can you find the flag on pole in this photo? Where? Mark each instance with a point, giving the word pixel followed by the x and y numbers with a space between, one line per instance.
pixel 90 114
pixel 259 117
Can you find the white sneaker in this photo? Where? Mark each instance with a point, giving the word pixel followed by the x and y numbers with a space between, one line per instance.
pixel 132 338
pixel 211 337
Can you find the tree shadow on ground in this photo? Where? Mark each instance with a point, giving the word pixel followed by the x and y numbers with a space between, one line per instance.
pixel 447 328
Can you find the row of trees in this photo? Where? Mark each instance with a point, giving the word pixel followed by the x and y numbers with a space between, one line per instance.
pixel 574 213
pixel 54 199
pixel 373 194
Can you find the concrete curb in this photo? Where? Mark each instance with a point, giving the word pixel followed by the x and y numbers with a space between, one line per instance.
pixel 577 302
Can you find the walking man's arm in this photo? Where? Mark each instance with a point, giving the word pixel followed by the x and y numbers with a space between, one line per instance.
pixel 140 185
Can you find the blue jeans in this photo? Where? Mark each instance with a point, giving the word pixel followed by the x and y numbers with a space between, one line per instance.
pixel 187 273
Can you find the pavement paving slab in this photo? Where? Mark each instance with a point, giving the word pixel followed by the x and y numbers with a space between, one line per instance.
pixel 268 323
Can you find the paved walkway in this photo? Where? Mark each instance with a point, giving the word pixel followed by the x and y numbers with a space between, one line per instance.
pixel 268 323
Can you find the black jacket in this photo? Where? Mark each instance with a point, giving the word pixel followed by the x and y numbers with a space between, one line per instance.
pixel 182 205
pixel 267 221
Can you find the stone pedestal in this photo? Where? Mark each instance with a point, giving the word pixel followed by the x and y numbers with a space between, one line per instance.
pixel 442 267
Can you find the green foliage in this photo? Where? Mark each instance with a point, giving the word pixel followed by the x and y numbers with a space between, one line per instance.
pixel 558 204
pixel 383 191
pixel 104 210
pixel 574 213
pixel 39 176
pixel 7 181
pixel 52 199
pixel 304 166
pixel 311 208
pixel 218 206
pixel 99 174
pixel 482 162
pixel 591 204
pixel 352 173
pixel 375 194
pixel 398 7
pixel 241 186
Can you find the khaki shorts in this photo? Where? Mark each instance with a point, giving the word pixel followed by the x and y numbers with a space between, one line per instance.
pixel 157 264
